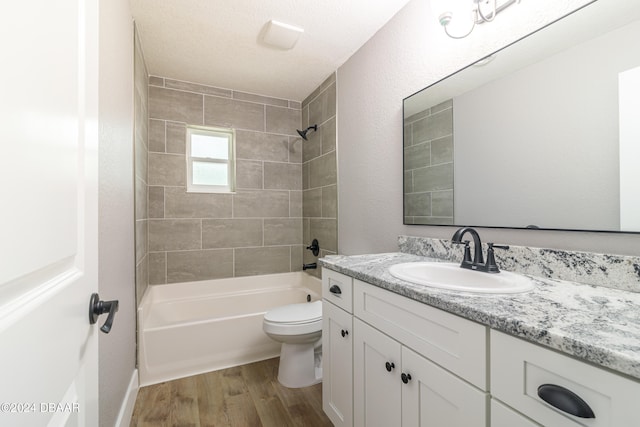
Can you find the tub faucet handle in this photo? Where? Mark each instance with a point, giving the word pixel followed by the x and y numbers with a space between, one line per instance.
pixel 314 247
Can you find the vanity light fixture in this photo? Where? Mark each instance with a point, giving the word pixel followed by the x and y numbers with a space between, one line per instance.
pixel 481 11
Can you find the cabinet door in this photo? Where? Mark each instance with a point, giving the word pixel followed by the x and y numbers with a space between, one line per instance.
pixel 376 377
pixel 337 365
pixel 433 397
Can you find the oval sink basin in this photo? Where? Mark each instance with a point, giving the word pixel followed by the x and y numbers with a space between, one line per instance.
pixel 452 277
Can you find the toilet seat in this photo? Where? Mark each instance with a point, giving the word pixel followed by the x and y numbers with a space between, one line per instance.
pixel 294 319
pixel 295 313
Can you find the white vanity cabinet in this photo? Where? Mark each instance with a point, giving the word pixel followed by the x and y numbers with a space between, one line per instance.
pixel 521 371
pixel 337 348
pixel 407 380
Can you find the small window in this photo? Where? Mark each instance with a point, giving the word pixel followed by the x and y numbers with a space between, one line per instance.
pixel 210 160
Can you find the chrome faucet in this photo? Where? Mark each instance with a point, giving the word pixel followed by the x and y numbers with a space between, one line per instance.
pixel 478 260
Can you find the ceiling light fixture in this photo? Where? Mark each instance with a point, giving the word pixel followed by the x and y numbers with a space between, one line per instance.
pixel 481 11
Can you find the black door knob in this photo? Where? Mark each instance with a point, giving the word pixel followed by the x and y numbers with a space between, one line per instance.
pixel 344 333
pixel 98 307
pixel 405 378
pixel 389 366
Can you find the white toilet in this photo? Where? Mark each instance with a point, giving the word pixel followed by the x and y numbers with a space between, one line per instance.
pixel 299 328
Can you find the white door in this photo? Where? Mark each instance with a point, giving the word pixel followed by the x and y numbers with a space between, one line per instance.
pixel 48 214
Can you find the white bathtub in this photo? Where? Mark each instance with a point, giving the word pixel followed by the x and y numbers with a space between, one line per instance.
pixel 190 328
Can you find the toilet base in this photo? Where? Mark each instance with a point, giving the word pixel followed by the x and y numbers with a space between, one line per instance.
pixel 298 365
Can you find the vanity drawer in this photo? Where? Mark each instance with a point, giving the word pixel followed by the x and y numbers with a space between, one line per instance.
pixel 519 368
pixel 338 289
pixel 456 344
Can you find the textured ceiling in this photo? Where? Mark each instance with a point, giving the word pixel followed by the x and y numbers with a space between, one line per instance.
pixel 218 42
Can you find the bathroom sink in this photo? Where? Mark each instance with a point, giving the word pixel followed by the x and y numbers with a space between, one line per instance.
pixel 452 277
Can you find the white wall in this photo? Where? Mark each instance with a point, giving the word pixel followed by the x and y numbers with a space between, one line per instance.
pixel 409 53
pixel 116 233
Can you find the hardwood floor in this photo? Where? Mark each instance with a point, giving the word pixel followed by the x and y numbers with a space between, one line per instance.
pixel 248 395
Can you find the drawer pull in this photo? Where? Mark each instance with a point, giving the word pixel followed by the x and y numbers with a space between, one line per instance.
pixel 335 289
pixel 344 333
pixel 389 366
pixel 565 400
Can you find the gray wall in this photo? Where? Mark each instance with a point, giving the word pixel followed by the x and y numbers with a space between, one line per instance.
pixel 116 230
pixel 200 236
pixel 319 172
pixel 409 53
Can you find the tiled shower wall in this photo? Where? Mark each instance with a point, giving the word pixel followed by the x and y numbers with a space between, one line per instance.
pixel 257 230
pixel 141 83
pixel 428 166
pixel 319 172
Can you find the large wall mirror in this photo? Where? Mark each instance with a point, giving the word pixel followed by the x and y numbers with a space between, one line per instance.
pixel 544 133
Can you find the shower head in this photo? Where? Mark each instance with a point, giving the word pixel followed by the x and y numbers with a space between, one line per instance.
pixel 303 133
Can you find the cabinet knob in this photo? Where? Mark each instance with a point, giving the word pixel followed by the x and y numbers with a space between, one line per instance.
pixel 389 366
pixel 405 378
pixel 344 333
pixel 565 400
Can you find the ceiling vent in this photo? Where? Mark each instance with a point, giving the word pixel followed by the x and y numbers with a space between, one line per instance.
pixel 281 35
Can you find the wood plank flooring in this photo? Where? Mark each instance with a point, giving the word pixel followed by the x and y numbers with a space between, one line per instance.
pixel 248 395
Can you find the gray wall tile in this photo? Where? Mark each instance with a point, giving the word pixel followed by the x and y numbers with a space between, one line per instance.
pixel 417 204
pixel 156 202
pixel 417 156
pixel 156 81
pixel 330 201
pixel 322 171
pixel 180 204
pixel 282 120
pixel 433 127
pixel 442 203
pixel 323 107
pixel 231 233
pixel 261 99
pixel 176 138
pixel 295 204
pixel 442 150
pixel 174 234
pixel 157 136
pixel 433 178
pixel 261 204
pixel 282 176
pixel 194 87
pixel 283 231
pixel 167 169
pixel 325 230
pixel 262 146
pixel 312 202
pixel 329 135
pixel 189 266
pixel 157 268
pixel 175 105
pixel 233 113
pixel 249 174
pixel 266 260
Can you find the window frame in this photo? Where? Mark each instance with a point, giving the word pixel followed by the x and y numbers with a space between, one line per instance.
pixel 227 133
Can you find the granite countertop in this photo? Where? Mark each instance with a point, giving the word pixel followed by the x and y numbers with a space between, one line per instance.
pixel 593 323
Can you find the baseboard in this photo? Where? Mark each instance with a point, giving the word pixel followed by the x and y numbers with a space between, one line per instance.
pixel 129 401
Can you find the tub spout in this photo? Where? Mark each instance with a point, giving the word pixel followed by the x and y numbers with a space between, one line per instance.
pixel 312 266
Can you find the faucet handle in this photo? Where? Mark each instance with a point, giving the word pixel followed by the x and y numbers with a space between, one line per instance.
pixel 491 266
pixel 467 250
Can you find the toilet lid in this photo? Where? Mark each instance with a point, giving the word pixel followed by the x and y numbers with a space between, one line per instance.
pixel 295 313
